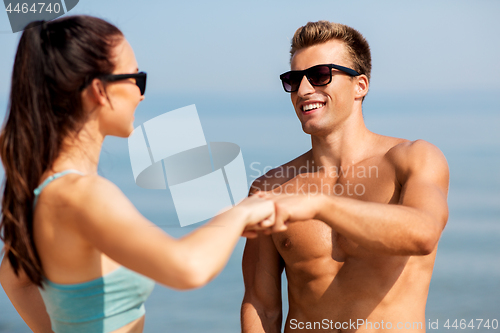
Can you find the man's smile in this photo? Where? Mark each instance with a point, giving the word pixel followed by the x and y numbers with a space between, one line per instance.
pixel 309 107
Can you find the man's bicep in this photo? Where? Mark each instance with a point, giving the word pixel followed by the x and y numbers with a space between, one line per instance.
pixel 262 269
pixel 425 186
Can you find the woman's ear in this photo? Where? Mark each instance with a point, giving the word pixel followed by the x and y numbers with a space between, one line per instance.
pixel 97 92
pixel 362 86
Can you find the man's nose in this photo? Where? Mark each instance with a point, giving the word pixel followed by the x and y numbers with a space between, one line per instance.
pixel 305 87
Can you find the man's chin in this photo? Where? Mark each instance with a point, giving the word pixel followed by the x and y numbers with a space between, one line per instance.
pixel 314 129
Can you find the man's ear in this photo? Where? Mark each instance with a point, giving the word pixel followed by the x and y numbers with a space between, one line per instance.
pixel 362 86
pixel 97 92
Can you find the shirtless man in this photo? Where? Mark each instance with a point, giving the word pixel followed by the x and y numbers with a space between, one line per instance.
pixel 371 207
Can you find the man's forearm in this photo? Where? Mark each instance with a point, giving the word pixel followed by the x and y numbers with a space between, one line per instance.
pixel 384 228
pixel 254 321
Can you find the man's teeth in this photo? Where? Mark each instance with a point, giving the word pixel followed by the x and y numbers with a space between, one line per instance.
pixel 312 106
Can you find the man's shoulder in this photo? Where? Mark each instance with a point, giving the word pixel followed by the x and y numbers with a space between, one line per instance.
pixel 413 151
pixel 281 174
pixel 411 156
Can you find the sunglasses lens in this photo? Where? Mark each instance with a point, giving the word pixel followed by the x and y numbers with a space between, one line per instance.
pixel 287 84
pixel 291 80
pixel 295 79
pixel 319 75
pixel 141 83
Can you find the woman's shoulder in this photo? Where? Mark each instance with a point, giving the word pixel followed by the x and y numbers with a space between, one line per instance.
pixel 86 203
pixel 76 191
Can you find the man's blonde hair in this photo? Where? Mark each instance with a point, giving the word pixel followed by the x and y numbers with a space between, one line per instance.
pixel 323 31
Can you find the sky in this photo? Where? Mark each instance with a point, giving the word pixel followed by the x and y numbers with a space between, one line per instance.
pixel 241 47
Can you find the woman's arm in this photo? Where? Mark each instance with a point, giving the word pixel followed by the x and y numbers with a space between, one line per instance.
pixel 107 219
pixel 25 297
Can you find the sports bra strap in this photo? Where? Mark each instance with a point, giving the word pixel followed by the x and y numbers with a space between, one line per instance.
pixel 47 181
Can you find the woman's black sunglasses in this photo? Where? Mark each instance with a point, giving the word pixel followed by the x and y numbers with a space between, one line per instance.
pixel 140 79
pixel 319 75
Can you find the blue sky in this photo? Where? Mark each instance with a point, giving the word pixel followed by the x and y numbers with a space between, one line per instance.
pixel 227 47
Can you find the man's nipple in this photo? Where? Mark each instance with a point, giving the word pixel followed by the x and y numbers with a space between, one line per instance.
pixel 286 243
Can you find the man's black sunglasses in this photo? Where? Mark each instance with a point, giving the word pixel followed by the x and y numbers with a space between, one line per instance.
pixel 319 75
pixel 140 79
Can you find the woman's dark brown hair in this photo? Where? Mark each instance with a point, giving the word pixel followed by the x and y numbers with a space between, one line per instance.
pixel 54 62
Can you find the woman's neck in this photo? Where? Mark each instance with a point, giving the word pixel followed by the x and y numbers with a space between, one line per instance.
pixel 80 151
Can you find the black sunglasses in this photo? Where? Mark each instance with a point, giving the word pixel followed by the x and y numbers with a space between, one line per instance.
pixel 319 75
pixel 140 79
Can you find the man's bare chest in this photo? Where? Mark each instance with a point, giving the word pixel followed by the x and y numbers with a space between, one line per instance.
pixel 310 240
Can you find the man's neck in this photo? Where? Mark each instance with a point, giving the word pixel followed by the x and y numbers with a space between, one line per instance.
pixel 348 144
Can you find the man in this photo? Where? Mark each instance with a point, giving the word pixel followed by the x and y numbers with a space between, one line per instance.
pixel 372 207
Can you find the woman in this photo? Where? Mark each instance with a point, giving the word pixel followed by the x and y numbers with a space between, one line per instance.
pixel 68 233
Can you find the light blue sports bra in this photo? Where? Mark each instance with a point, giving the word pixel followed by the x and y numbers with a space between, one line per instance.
pixel 100 305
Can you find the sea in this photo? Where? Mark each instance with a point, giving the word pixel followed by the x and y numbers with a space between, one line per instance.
pixel 464 292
